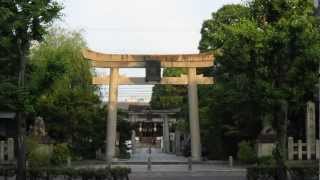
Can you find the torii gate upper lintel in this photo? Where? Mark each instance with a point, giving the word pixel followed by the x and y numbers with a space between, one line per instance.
pixel 116 61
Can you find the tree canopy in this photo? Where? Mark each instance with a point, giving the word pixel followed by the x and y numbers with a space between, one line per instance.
pixel 266 62
pixel 266 54
pixel 22 23
pixel 60 84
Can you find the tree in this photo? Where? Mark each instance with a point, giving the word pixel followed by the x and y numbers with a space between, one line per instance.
pixel 227 110
pixel 212 122
pixel 168 96
pixel 62 92
pixel 212 29
pixel 21 22
pixel 266 65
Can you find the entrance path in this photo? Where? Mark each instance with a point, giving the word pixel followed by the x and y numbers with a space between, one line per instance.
pixel 163 163
pixel 141 155
pixel 171 167
pixel 188 176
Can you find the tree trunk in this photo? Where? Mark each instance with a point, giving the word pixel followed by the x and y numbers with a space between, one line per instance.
pixel 21 122
pixel 21 149
pixel 280 154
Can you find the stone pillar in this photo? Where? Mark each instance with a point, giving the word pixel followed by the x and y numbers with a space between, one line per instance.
pixel 194 115
pixel 1 151
pixel 166 134
pixel 299 149
pixel 290 148
pixel 172 143
pixel 177 142
pixel 311 129
pixel 112 115
pixel 133 141
pixel 10 149
pixel 318 150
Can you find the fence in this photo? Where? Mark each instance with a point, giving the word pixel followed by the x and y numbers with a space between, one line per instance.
pixel 302 151
pixel 7 151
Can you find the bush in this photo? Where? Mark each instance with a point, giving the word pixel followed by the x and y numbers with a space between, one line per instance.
pixel 261 173
pixel 270 173
pixel 38 155
pixel 42 155
pixel 60 154
pixel 246 153
pixel 117 173
pixel 266 161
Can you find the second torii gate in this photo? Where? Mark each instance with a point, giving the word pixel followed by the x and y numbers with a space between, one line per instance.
pixel 117 61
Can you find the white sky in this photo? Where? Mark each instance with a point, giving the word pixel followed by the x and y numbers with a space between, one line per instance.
pixel 140 27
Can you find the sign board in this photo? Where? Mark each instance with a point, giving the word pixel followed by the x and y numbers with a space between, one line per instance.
pixel 153 71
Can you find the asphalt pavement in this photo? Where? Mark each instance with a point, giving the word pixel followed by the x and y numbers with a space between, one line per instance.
pixel 188 176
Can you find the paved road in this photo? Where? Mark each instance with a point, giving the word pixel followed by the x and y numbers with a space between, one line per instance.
pixel 188 176
pixel 141 154
pixel 200 168
pixel 179 171
pixel 172 167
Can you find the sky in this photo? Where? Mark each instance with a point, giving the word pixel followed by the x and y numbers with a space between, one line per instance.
pixel 139 27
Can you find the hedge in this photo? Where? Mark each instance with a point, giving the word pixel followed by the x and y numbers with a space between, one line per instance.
pixel 269 173
pixel 117 173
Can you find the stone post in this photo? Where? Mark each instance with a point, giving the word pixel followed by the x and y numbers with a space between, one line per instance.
pixel 10 149
pixel 172 143
pixel 290 148
pixel 149 163
pixel 311 129
pixel 177 139
pixel 112 115
pixel 318 150
pixel 69 162
pixel 190 163
pixel 1 151
pixel 133 141
pixel 300 149
pixel 230 161
pixel 166 134
pixel 194 114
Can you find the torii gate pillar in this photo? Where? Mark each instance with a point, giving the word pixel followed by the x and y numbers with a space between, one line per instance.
pixel 112 115
pixel 194 114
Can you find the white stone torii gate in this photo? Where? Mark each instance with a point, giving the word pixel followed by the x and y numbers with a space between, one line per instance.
pixel 116 61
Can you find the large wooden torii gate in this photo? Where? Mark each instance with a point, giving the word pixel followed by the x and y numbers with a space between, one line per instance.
pixel 117 61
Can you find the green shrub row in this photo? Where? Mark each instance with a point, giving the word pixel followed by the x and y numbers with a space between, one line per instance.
pixel 117 173
pixel 270 173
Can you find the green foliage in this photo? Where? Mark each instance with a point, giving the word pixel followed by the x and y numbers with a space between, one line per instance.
pixel 266 161
pixel 22 23
pixel 31 143
pixel 266 55
pixel 70 173
pixel 172 97
pixel 246 153
pixel 270 172
pixel 38 155
pixel 212 29
pixel 124 129
pixel 62 93
pixel 42 155
pixel 169 96
pixel 60 154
